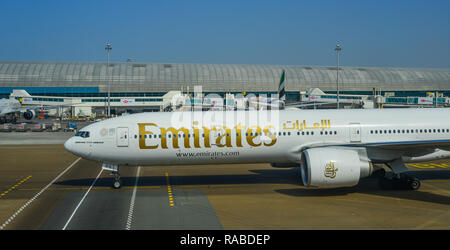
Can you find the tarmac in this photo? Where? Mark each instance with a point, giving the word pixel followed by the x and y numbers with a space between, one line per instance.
pixel 42 186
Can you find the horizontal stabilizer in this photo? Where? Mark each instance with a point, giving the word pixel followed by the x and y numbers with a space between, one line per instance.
pixel 20 93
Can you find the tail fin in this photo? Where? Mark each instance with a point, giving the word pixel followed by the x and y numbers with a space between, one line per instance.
pixel 281 88
pixel 20 93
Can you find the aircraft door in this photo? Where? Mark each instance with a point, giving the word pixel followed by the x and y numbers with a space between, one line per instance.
pixel 122 137
pixel 355 132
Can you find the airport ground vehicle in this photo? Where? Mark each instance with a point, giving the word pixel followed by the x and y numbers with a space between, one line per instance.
pixel 71 126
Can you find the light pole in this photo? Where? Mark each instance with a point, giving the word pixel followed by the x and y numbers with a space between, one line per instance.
pixel 337 49
pixel 108 48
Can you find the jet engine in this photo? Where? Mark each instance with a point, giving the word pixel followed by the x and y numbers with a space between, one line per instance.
pixel 29 114
pixel 333 167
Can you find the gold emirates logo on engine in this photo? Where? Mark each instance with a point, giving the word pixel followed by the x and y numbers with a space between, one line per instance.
pixel 330 170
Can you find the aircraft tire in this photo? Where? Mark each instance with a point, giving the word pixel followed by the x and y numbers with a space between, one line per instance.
pixel 117 184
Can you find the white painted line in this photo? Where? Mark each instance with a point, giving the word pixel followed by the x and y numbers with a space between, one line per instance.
pixel 133 198
pixel 87 192
pixel 37 195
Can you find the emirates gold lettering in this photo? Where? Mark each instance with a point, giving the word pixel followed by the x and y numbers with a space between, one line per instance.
pixel 142 134
pixel 226 133
pixel 175 136
pixel 251 136
pixel 224 137
pixel 271 134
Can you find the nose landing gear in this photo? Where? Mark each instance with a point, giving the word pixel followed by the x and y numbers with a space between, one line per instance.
pixel 117 183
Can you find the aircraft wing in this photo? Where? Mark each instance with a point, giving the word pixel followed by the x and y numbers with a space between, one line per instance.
pixel 24 108
pixel 6 111
pixel 408 146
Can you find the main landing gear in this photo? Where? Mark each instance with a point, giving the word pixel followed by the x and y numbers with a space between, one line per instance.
pixel 400 179
pixel 399 182
pixel 117 183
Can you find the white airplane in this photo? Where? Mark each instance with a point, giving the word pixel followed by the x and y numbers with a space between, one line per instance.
pixel 9 108
pixel 332 148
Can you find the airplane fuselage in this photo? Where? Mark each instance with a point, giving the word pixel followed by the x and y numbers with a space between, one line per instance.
pixel 242 137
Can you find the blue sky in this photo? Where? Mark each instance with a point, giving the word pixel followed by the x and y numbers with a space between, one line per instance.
pixel 372 33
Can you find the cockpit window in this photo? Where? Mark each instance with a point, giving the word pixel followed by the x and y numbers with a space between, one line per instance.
pixel 83 134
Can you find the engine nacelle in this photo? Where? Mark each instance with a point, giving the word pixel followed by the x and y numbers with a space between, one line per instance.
pixel 333 167
pixel 285 165
pixel 29 114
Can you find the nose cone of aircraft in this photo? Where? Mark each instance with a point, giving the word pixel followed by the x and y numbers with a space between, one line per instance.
pixel 68 145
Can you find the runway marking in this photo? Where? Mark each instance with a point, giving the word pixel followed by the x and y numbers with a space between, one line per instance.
pixel 37 195
pixel 79 204
pixel 430 165
pixel 169 191
pixel 15 186
pixel 133 198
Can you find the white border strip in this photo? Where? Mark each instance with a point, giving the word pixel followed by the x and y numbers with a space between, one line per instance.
pixel 93 183
pixel 37 195
pixel 133 198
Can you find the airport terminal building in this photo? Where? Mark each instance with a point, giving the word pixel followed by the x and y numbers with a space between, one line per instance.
pixel 149 83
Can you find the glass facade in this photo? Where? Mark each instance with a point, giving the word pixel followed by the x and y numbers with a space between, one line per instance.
pixel 91 79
